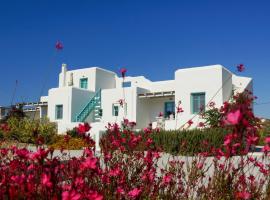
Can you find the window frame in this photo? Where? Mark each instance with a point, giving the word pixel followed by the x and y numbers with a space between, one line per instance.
pixel 114 110
pixel 192 107
pixel 165 106
pixel 84 85
pixel 126 84
pixel 57 117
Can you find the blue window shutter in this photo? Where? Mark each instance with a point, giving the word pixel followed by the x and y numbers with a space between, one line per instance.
pixel 197 101
pixel 126 84
pixel 84 83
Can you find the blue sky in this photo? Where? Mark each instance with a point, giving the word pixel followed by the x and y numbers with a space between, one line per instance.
pixel 151 38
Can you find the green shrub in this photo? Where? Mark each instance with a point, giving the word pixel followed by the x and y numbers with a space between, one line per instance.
pixel 73 133
pixel 264 132
pixel 26 130
pixel 189 142
pixel 184 142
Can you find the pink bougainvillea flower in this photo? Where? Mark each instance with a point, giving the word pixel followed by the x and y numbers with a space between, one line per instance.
pixel 149 141
pixel 240 67
pixel 67 138
pixel 120 190
pixel 89 163
pixel 265 149
pixel 190 122
pixel 167 179
pixel 243 195
pixel 252 139
pixel 121 102
pixel 233 118
pixel 212 104
pixel 94 195
pixel 115 172
pixel 267 140
pixel 45 180
pixel 199 165
pixel 70 195
pixel 134 193
pixel 4 127
pixel 228 139
pixel 83 128
pixel 201 124
pixel 123 72
pixel 179 109
pixel 59 45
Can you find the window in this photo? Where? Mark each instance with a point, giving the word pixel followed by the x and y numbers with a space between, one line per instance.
pixel 59 112
pixel 115 110
pixel 126 84
pixel 197 102
pixel 169 109
pixel 84 83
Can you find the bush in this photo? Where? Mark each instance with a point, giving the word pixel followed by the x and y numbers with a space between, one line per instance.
pixel 26 130
pixel 264 132
pixel 73 133
pixel 70 144
pixel 189 142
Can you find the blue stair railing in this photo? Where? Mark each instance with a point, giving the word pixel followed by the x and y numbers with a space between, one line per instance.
pixel 92 105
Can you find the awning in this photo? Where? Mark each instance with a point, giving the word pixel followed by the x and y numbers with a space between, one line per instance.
pixel 156 94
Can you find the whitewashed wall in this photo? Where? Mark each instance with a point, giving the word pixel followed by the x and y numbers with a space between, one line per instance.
pixel 111 96
pixel 195 80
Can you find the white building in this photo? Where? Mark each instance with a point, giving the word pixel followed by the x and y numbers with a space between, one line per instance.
pixel 92 95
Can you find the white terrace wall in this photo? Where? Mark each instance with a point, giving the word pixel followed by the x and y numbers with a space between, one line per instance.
pixel 196 80
pixel 97 78
pixel 227 87
pixel 104 79
pixel 112 96
pixel 72 99
pixel 242 83
pixel 163 86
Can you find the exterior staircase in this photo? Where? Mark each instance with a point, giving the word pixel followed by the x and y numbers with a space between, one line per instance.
pixel 94 105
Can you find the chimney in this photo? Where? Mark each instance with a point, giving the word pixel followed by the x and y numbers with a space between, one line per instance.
pixel 64 74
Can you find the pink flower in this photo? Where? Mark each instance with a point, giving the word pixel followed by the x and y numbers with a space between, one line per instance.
pixel 240 67
pixel 252 140
pixel 167 179
pixel 83 128
pixel 123 72
pixel 265 149
pixel 267 140
pixel 134 193
pixel 89 163
pixel 149 141
pixel 233 118
pixel 228 139
pixel 120 190
pixel 212 104
pixel 243 195
pixel 179 109
pixel 70 195
pixel 59 45
pixel 190 122
pixel 94 195
pixel 121 102
pixel 115 172
pixel 199 165
pixel 45 180
pixel 201 124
